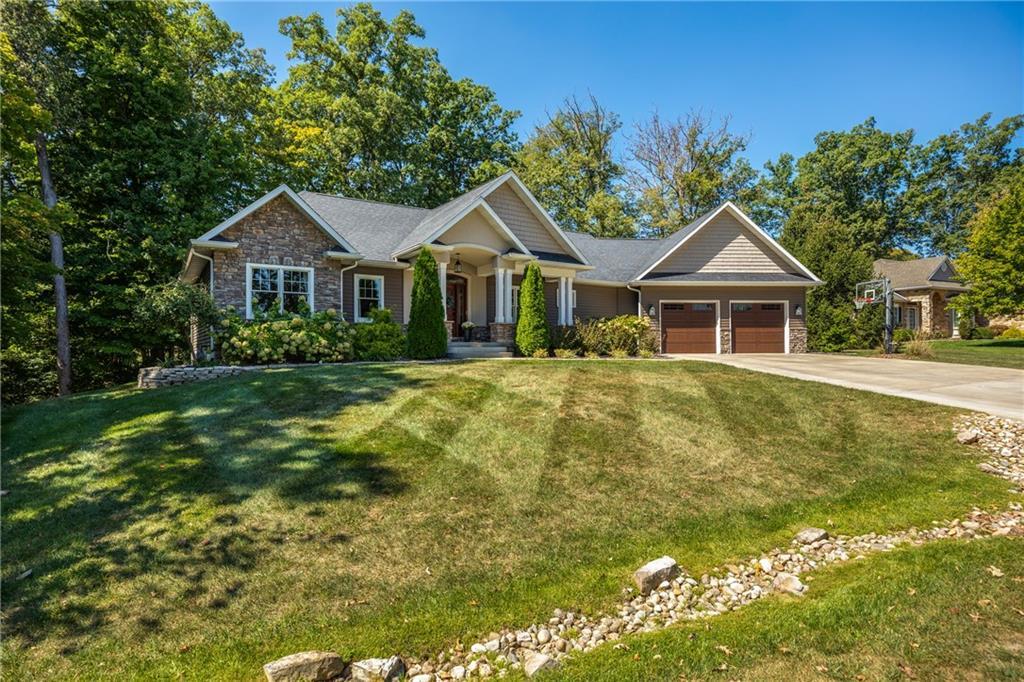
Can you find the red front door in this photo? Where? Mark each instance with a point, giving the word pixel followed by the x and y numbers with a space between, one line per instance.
pixel 455 302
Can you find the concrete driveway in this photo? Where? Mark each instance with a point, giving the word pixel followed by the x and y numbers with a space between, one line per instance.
pixel 995 390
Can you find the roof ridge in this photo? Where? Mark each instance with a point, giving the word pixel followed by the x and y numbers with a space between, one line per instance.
pixel 365 201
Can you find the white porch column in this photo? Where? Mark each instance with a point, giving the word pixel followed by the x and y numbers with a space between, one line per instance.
pixel 570 313
pixel 508 296
pixel 499 295
pixel 561 300
pixel 442 276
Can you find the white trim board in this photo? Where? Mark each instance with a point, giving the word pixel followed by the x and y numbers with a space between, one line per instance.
pixel 746 222
pixel 718 320
pixel 785 309
pixel 489 215
pixel 299 203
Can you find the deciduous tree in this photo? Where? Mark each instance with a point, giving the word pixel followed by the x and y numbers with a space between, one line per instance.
pixel 569 164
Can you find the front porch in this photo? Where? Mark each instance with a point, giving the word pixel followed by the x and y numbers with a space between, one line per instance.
pixel 481 292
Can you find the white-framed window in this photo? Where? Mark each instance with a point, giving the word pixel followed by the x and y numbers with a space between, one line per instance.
pixel 369 293
pixel 897 316
pixel 515 302
pixel 277 289
pixel 911 317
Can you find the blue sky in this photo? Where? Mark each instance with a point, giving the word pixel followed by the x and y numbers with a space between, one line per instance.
pixel 782 71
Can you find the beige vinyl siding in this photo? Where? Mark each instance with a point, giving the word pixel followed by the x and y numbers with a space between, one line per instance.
pixel 521 220
pixel 475 229
pixel 724 245
pixel 393 299
pixel 593 301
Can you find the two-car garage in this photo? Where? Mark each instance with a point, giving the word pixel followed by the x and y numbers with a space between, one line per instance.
pixel 693 327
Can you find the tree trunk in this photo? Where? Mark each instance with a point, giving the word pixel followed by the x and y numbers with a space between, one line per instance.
pixel 60 292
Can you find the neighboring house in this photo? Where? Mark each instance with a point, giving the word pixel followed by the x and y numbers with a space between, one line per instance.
pixel 922 290
pixel 719 285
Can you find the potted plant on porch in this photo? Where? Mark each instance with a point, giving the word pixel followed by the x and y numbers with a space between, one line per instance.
pixel 467 330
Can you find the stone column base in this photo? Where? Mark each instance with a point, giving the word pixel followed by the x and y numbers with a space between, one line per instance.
pixel 726 340
pixel 450 326
pixel 798 339
pixel 503 333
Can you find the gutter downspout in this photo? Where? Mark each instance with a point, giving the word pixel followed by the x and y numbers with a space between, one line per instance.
pixel 341 287
pixel 639 303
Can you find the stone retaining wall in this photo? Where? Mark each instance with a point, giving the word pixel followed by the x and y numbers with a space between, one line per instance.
pixel 154 377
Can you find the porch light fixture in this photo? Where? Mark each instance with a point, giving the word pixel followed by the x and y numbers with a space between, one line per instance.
pixel 458 263
pixel 799 310
pixel 651 311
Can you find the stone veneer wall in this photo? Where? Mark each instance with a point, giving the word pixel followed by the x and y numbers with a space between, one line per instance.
pixel 154 377
pixel 503 333
pixel 276 234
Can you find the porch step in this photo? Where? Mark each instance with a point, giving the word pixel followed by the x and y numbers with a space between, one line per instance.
pixel 478 349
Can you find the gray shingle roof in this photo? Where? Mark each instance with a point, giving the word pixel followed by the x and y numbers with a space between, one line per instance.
pixel 375 229
pixel 909 274
pixel 446 212
pixel 614 260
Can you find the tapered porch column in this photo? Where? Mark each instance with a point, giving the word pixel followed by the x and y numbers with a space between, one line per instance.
pixel 442 276
pixel 499 295
pixel 508 296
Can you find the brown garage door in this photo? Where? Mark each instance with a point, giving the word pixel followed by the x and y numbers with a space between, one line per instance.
pixel 688 327
pixel 758 328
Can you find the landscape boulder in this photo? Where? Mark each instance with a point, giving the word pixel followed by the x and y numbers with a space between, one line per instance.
pixel 308 666
pixel 811 535
pixel 967 436
pixel 790 584
pixel 534 662
pixel 377 670
pixel 652 574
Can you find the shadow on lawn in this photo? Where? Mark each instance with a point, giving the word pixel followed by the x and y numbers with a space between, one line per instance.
pixel 107 489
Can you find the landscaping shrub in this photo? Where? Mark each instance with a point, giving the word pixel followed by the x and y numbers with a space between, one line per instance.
pixel 984 333
pixel 998 329
pixel 540 353
pixel 629 334
pixel 619 353
pixel 320 337
pixel 167 312
pixel 566 338
pixel 591 337
pixel 565 353
pixel 918 347
pixel 379 339
pixel 626 335
pixel 900 337
pixel 532 329
pixel 428 335
pixel 1012 333
pixel 966 326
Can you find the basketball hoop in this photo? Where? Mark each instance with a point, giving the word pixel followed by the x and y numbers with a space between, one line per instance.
pixel 877 291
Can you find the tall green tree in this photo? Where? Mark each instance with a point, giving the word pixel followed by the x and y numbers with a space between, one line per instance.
pixel 570 165
pixel 956 173
pixel 532 332
pixel 427 334
pixel 686 167
pixel 858 178
pixel 151 144
pixel 30 31
pixel 994 261
pixel 770 201
pixel 369 112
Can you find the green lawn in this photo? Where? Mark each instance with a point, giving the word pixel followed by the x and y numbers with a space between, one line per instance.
pixel 928 613
pixel 991 352
pixel 200 531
